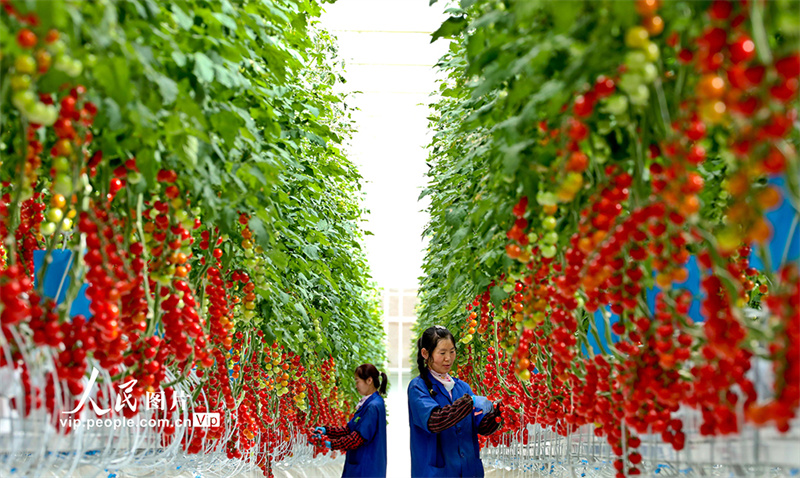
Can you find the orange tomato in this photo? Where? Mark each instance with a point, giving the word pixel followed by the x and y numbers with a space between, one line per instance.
pixel 647 8
pixel 680 275
pixel 585 245
pixel 513 251
pixel 654 25
pixel 691 204
pixel 769 198
pixel 58 201
pixel 761 231
pixel 663 280
pixel 711 86
pixel 738 185
pixel 523 363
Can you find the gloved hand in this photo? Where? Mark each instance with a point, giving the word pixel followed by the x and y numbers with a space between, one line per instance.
pixel 481 403
pixel 327 444
pixel 317 437
pixel 321 430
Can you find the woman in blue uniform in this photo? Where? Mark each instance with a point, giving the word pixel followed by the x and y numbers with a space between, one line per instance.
pixel 364 436
pixel 444 415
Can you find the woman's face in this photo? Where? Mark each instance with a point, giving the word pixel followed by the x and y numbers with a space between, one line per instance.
pixel 443 356
pixel 364 387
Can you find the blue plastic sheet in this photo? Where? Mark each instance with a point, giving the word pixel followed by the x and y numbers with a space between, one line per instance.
pixel 780 220
pixel 56 271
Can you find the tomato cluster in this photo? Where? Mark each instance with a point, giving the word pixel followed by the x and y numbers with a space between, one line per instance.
pixel 644 231
pixel 170 296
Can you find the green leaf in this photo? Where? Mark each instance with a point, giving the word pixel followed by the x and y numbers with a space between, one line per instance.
pixel 278 258
pixel 226 124
pixel 459 236
pixel 455 216
pixel 109 116
pixel 179 58
pixel 450 28
pixel 564 15
pixel 259 231
pixel 167 87
pixel 183 20
pixel 203 67
pixel 624 13
pixel 226 20
pixel 311 251
pixel 299 308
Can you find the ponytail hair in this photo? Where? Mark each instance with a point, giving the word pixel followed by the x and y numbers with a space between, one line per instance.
pixel 384 382
pixel 428 341
pixel 368 370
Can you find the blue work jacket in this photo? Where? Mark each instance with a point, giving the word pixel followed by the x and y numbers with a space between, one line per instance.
pixel 454 452
pixel 368 460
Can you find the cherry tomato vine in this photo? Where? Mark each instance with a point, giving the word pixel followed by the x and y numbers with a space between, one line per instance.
pixel 591 160
pixel 198 184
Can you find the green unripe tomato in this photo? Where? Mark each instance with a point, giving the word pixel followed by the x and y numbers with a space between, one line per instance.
pixel 548 251
pixel 58 47
pixel 649 72
pixel 508 288
pixel 617 105
pixel 24 100
pixel 43 114
pixel 651 51
pixel 630 82
pixel 63 185
pixel 636 37
pixel 546 198
pixel 640 96
pixel 75 68
pixel 67 224
pixel 135 177
pixel 20 82
pixel 635 60
pixel 550 238
pixel 48 228
pixel 55 215
pixel 62 63
pixel 25 64
pixel 549 223
pixel 61 164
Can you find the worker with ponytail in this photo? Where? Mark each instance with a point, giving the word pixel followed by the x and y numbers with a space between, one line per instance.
pixel 364 436
pixel 444 415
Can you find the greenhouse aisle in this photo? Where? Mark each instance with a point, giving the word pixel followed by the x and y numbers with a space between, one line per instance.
pixel 389 59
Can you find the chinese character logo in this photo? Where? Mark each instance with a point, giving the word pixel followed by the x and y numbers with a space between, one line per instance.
pixel 124 397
